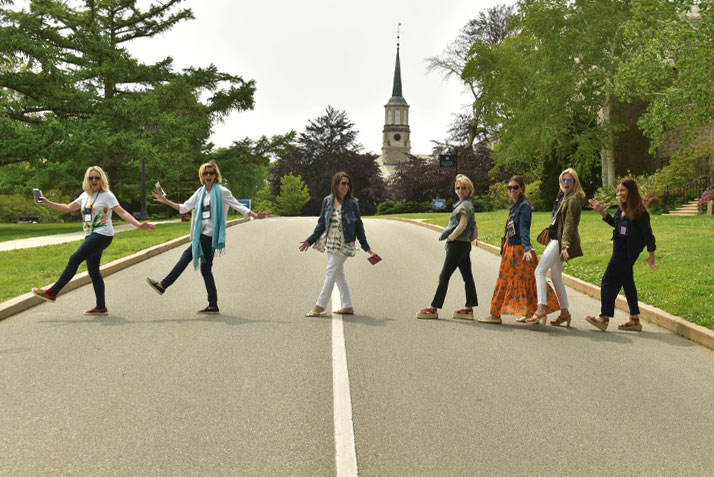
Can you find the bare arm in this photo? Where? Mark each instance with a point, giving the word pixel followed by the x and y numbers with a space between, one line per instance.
pixel 71 207
pixel 164 200
pixel 119 210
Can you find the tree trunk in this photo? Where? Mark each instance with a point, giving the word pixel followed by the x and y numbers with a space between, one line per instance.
pixel 607 154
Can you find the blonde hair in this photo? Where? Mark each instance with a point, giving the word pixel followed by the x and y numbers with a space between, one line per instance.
pixel 215 168
pixel 577 188
pixel 86 187
pixel 465 181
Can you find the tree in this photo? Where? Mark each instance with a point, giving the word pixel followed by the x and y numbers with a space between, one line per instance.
pixel 73 96
pixel 329 145
pixel 488 27
pixel 669 64
pixel 294 194
pixel 550 85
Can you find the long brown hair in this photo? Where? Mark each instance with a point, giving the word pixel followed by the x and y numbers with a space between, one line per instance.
pixel 336 181
pixel 633 207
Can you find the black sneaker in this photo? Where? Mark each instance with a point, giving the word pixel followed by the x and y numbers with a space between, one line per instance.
pixel 155 285
pixel 209 310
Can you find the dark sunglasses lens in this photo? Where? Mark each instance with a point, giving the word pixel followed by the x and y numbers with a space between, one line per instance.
pixel 515 187
pixel 345 183
pixel 94 178
pixel 209 173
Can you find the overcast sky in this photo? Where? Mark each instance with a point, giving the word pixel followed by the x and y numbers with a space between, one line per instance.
pixel 307 54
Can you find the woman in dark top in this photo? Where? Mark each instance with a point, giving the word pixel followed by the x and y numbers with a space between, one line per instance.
pixel 632 233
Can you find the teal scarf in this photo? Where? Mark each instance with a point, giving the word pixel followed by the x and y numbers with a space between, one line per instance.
pixel 219 224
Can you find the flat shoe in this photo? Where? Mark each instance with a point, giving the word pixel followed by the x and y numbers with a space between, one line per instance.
pixel 496 321
pixel 313 313
pixel 522 319
pixel 343 311
pixel 597 322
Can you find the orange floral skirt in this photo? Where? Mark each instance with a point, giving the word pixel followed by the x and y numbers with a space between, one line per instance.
pixel 516 293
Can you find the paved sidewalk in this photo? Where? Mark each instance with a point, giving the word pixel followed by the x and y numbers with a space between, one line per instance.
pixel 61 238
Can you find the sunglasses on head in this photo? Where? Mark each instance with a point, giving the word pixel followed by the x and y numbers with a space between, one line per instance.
pixel 94 178
pixel 515 187
pixel 209 173
pixel 564 180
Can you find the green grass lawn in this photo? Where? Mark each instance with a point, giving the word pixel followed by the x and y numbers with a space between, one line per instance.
pixel 684 283
pixel 39 266
pixel 21 231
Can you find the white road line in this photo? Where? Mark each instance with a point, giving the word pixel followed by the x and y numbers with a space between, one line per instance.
pixel 345 454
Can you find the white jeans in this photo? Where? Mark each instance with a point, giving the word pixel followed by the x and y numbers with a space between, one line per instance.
pixel 551 259
pixel 335 274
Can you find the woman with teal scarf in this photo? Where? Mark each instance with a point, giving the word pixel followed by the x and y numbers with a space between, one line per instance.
pixel 208 230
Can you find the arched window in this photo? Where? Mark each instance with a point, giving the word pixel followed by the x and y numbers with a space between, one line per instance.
pixel 389 116
pixel 398 118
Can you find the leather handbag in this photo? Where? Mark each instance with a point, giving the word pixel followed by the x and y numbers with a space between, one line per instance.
pixel 544 237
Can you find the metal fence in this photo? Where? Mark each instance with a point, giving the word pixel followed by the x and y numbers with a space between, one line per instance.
pixel 688 192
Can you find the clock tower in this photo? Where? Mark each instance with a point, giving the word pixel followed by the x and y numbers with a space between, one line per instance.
pixel 395 135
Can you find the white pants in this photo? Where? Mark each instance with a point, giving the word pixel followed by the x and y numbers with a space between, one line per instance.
pixel 551 259
pixel 335 274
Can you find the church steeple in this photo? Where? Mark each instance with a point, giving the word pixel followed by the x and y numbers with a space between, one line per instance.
pixel 397 88
pixel 395 135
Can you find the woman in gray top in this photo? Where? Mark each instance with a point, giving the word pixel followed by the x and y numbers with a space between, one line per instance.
pixel 458 233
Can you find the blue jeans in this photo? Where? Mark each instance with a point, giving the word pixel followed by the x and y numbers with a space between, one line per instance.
pixel 206 265
pixel 91 251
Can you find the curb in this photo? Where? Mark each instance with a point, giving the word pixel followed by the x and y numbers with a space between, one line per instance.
pixel 675 324
pixel 28 300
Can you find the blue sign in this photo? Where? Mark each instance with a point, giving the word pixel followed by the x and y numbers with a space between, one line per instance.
pixel 245 202
pixel 438 204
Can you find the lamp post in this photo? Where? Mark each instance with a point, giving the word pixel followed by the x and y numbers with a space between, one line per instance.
pixel 143 215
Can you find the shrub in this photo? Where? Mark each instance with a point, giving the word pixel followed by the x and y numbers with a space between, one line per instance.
pixel 482 203
pixel 498 193
pixel 264 199
pixel 401 207
pixel 12 207
pixel 533 194
pixel 293 195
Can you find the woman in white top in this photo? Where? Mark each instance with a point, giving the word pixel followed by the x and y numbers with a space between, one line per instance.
pixel 208 230
pixel 97 204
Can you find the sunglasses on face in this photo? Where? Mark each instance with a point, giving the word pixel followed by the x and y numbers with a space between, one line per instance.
pixel 209 173
pixel 460 188
pixel 345 184
pixel 568 181
pixel 94 178
pixel 515 187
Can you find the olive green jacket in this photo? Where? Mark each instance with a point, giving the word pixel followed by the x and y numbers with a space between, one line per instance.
pixel 568 221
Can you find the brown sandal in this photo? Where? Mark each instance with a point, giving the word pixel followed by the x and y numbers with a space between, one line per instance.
pixel 633 324
pixel 598 322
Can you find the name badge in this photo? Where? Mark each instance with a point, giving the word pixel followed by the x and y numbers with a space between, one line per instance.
pixel 206 212
pixel 623 230
pixel 87 214
pixel 511 228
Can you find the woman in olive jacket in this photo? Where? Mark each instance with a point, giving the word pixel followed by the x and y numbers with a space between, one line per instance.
pixel 564 245
pixel 632 233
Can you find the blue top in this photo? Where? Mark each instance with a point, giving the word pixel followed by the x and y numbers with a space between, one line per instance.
pixel 638 232
pixel 352 225
pixel 520 234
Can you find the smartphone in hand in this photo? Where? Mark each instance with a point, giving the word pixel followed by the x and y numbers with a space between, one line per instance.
pixel 37 193
pixel 374 259
pixel 159 190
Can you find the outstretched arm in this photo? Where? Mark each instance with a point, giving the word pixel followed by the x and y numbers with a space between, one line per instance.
pixel 71 207
pixel 119 210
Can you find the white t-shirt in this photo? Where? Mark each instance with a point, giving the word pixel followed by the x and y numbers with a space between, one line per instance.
pixel 96 210
pixel 207 221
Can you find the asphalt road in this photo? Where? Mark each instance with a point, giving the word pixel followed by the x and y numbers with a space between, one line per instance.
pixel 154 389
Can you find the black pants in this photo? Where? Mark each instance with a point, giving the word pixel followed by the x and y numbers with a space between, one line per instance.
pixel 206 269
pixel 91 251
pixel 458 254
pixel 618 274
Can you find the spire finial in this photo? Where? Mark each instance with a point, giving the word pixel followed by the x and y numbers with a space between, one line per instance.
pixel 399 26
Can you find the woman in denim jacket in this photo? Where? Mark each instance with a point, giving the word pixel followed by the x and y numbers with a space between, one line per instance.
pixel 338 227
pixel 632 233
pixel 458 233
pixel 516 293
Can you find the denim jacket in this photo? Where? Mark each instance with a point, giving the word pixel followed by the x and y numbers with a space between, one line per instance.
pixel 462 207
pixel 352 225
pixel 521 216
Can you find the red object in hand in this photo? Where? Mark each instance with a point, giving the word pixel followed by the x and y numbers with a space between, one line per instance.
pixel 373 259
